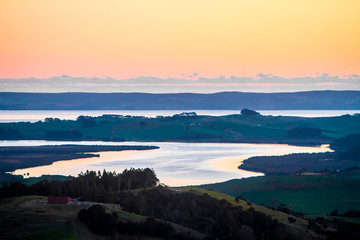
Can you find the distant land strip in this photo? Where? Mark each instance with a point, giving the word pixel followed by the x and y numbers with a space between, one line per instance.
pixel 187 127
pixel 310 100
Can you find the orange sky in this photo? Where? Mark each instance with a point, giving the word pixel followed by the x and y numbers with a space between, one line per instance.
pixel 167 38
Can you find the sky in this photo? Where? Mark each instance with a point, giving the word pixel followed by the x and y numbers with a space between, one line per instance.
pixel 182 40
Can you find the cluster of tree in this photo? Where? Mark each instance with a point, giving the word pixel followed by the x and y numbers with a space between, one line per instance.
pixel 334 229
pixel 350 213
pixel 82 118
pixel 121 116
pixel 10 134
pixel 106 118
pixel 50 119
pixel 248 112
pixel 88 186
pixel 216 218
pixel 282 208
pixel 99 221
pixel 87 121
pixel 63 135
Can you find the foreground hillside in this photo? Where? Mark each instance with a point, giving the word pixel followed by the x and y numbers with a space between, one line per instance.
pixel 31 218
pixel 130 206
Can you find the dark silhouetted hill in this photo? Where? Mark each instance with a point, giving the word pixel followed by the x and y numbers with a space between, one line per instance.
pixel 312 100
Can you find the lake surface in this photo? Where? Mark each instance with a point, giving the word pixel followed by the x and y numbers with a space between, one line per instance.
pixel 176 164
pixel 37 115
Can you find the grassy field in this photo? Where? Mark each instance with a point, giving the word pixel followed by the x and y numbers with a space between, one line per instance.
pixel 298 228
pixel 11 202
pixel 61 231
pixel 29 217
pixel 313 195
pixel 280 216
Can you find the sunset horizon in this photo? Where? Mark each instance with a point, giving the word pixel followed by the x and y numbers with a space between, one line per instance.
pixel 175 39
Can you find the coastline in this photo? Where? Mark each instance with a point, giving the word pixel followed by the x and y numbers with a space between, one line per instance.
pixel 20 157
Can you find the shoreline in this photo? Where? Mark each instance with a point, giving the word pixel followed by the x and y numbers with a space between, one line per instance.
pixel 296 143
pixel 297 163
pixel 20 157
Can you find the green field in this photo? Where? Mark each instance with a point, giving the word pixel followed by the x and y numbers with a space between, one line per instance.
pixel 298 228
pixel 312 195
pixel 280 216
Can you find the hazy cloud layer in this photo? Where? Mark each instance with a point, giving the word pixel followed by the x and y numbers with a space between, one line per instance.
pixel 261 83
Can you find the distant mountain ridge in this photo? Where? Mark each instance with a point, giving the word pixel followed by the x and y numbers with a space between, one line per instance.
pixel 310 100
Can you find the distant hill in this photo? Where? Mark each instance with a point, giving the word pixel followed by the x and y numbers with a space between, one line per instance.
pixel 311 100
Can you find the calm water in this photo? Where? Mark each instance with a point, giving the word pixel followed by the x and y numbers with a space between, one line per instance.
pixel 175 164
pixel 36 115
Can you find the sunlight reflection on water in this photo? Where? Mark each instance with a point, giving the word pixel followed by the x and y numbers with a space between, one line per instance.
pixel 174 163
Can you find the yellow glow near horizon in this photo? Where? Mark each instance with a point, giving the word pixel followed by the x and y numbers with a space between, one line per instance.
pixel 130 38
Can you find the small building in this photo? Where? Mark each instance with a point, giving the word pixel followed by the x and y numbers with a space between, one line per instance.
pixel 59 200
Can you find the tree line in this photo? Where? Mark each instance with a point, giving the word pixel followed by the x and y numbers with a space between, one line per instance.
pixel 91 185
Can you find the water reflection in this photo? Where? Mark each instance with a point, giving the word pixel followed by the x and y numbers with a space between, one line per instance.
pixel 175 163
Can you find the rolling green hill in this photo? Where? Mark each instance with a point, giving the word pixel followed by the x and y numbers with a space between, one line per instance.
pixel 312 195
pixel 184 128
